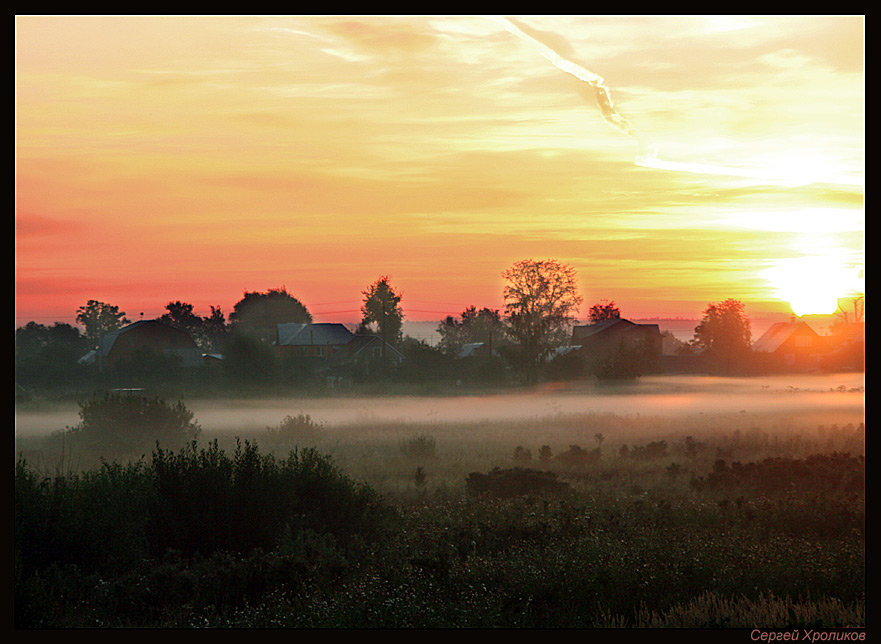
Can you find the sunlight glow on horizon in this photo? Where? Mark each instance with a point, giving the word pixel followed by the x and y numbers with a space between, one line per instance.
pixel 192 158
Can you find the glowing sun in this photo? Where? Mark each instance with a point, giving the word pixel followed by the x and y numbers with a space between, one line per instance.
pixel 812 285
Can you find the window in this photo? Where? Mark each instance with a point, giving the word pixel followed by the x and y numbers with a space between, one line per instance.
pixel 803 340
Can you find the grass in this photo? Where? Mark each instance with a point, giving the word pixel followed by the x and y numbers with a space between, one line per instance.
pixel 708 520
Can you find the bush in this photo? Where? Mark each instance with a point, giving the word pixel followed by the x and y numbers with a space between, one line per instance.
pixel 238 526
pixel 577 456
pixel 650 451
pixel 816 473
pixel 299 427
pixel 125 423
pixel 208 501
pixel 513 482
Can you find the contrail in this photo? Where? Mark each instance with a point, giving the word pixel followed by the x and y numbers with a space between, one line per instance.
pixel 647 156
pixel 603 95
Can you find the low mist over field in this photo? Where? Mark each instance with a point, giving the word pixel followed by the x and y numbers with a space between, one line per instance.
pixel 808 398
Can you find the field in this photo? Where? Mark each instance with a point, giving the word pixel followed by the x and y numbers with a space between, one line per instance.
pixel 674 502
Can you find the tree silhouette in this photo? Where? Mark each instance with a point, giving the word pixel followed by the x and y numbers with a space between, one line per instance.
pixel 724 333
pixel 603 310
pixel 541 300
pixel 215 328
pixel 258 314
pixel 99 318
pixel 48 355
pixel 484 325
pixel 382 306
pixel 180 315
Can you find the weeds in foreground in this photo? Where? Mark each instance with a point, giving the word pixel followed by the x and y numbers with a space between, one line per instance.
pixel 773 536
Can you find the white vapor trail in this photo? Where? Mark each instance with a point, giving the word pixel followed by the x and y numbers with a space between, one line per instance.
pixel 603 96
pixel 647 156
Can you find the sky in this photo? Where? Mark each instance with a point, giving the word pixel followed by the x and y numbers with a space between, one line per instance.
pixel 673 161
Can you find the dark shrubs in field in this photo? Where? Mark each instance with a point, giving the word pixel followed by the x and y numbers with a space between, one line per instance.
pixel 649 451
pixel 125 423
pixel 208 501
pixel 517 481
pixel 299 427
pixel 577 456
pixel 121 520
pixel 815 473
pixel 201 537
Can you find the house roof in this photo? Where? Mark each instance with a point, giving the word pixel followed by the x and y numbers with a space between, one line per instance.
pixel 588 330
pixel 469 349
pixel 357 345
pixel 777 334
pixel 109 339
pixel 297 335
pixel 564 350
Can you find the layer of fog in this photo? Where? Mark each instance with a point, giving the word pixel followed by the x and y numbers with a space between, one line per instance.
pixel 806 396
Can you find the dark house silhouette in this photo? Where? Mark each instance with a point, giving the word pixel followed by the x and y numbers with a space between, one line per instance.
pixel 144 335
pixel 320 340
pixel 337 350
pixel 606 336
pixel 607 346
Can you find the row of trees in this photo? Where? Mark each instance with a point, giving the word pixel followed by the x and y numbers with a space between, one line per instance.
pixel 541 297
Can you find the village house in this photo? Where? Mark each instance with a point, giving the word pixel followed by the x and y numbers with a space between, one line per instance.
pixel 617 347
pixel 793 345
pixel 336 349
pixel 320 340
pixel 127 343
pixel 605 337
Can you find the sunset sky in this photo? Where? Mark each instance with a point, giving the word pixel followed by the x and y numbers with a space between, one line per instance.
pixel 195 158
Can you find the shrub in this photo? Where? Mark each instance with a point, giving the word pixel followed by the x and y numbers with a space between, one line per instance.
pixel 817 473
pixel 208 501
pixel 513 482
pixel 300 426
pixel 125 422
pixel 650 451
pixel 577 456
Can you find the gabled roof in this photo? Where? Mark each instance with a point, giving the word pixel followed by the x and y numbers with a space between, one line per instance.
pixel 359 343
pixel 588 330
pixel 298 335
pixel 469 349
pixel 564 350
pixel 109 339
pixel 777 334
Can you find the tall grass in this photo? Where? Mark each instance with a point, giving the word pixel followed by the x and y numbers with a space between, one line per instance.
pixel 699 522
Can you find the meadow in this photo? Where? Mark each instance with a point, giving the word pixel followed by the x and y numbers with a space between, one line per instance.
pixel 673 502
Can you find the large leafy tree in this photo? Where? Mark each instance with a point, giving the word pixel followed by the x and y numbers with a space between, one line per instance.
pixel 541 301
pixel 258 314
pixel 215 328
pixel 484 325
pixel 99 318
pixel 208 332
pixel 724 333
pixel 47 355
pixel 382 307
pixel 180 315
